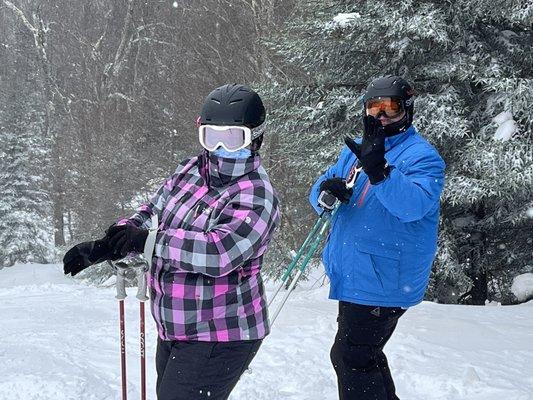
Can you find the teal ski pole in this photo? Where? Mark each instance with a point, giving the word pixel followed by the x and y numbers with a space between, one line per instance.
pixel 330 205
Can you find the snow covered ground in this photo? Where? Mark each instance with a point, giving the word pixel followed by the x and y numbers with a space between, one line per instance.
pixel 59 341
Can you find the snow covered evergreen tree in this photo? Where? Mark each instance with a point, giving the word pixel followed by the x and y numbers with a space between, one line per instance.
pixel 26 228
pixel 470 61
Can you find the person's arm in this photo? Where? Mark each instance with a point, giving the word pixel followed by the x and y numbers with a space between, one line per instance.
pixel 242 232
pixel 411 194
pixel 333 171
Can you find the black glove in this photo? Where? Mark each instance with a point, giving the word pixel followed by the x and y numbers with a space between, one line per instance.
pixel 371 152
pixel 85 254
pixel 337 187
pixel 125 238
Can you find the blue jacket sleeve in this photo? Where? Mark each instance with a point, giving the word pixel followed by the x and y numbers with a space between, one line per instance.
pixel 411 194
pixel 333 171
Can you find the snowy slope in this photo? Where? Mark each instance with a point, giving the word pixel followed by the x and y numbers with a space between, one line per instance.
pixel 59 341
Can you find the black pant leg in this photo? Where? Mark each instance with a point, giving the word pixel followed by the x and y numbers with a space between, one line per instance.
pixel 384 366
pixel 203 370
pixel 161 360
pixel 357 354
pixel 228 361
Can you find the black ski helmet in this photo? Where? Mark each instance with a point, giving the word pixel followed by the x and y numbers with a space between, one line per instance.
pixel 396 87
pixel 233 104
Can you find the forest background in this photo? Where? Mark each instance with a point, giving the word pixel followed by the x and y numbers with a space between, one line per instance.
pixel 98 101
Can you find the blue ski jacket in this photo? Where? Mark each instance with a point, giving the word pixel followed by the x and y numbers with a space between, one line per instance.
pixel 382 243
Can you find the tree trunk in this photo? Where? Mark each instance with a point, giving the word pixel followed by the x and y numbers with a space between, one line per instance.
pixel 59 226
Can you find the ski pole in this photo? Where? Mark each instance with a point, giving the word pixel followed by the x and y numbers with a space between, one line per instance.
pixel 292 265
pixel 330 207
pixel 140 273
pixel 305 262
pixel 141 294
pixel 121 295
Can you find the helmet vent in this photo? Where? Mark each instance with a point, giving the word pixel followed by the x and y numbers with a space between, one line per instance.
pixel 215 100
pixel 236 101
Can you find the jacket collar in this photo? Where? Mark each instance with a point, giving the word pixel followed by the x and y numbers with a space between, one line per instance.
pixel 220 171
pixel 393 141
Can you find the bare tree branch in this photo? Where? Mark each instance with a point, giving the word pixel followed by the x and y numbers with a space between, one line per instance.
pixel 18 12
pixel 120 54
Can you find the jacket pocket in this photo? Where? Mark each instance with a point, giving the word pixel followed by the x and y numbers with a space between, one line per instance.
pixel 377 268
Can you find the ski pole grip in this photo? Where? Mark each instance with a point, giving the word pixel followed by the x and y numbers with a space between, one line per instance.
pixel 121 281
pixel 327 201
pixel 141 284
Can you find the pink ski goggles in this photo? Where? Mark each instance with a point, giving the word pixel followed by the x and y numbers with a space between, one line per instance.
pixel 232 138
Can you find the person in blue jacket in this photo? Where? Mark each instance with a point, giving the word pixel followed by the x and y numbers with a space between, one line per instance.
pixel 383 238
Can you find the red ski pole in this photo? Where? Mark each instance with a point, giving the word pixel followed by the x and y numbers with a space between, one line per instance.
pixel 123 350
pixel 143 358
pixel 141 296
pixel 121 295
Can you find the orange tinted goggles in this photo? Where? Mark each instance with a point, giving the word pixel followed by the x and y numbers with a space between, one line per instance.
pixel 389 106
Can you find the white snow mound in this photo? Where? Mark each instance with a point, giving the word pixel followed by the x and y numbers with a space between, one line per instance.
pixel 506 126
pixel 522 286
pixel 506 130
pixel 502 117
pixel 344 19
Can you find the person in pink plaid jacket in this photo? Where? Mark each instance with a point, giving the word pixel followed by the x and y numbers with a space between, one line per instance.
pixel 217 214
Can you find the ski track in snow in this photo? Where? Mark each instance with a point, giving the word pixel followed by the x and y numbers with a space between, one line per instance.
pixel 60 341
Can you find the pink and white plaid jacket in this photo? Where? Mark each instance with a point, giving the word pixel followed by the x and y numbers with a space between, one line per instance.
pixel 217 216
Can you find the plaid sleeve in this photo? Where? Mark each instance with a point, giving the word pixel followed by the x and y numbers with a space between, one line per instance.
pixel 242 232
pixel 157 201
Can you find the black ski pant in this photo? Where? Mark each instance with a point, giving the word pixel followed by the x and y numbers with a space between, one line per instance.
pixel 201 370
pixel 357 354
